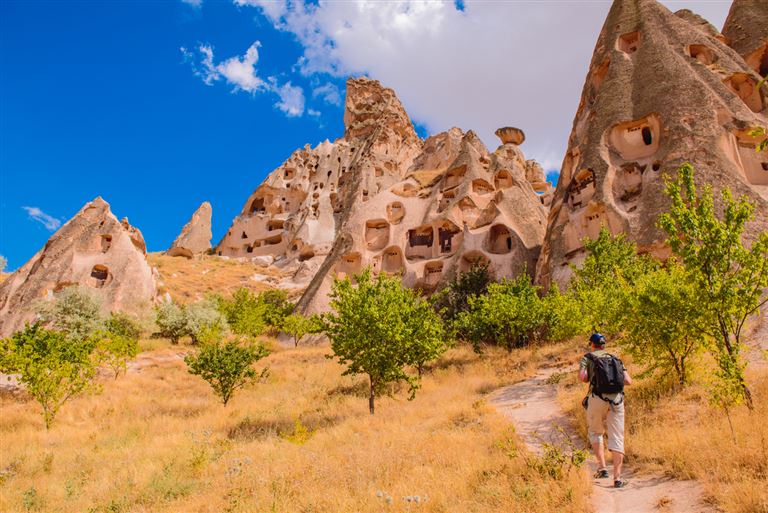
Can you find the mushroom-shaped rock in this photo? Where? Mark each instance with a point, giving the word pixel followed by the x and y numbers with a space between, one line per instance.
pixel 510 135
pixel 195 237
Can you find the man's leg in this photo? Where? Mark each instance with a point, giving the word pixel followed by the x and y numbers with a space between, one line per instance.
pixel 616 438
pixel 596 412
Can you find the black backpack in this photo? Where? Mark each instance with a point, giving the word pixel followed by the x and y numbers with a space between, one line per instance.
pixel 607 375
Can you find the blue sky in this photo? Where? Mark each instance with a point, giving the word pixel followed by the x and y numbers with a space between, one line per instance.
pixel 158 106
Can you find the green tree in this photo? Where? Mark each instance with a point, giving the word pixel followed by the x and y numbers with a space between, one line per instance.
pixel 297 325
pixel 761 134
pixel 453 298
pixel 245 312
pixel 227 365
pixel 171 321
pixel 53 367
pixel 378 328
pixel 730 279
pixel 118 342
pixel 511 315
pixel 611 264
pixel 276 307
pixel 202 319
pixel 663 332
pixel 75 310
pixel 563 313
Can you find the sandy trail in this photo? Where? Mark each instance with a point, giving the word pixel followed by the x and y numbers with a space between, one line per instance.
pixel 531 405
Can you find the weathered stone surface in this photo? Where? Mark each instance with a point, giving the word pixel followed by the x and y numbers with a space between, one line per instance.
pixel 662 89
pixel 746 31
pixel 382 197
pixel 93 249
pixel 195 237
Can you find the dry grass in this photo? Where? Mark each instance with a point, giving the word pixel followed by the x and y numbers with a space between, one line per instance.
pixel 189 280
pixel 681 435
pixel 157 440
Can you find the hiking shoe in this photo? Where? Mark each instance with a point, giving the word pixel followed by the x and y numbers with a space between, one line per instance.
pixel 620 483
pixel 601 474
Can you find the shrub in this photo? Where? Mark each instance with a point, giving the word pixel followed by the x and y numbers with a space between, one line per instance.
pixel 296 325
pixel 204 319
pixel 119 342
pixel 453 299
pixel 276 307
pixel 378 327
pixel 53 367
pixel 171 321
pixel 227 365
pixel 75 310
pixel 245 313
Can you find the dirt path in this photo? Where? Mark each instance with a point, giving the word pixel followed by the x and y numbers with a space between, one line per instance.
pixel 531 405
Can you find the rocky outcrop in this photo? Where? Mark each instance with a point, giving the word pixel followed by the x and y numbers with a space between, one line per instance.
pixel 195 237
pixel 93 249
pixel 381 197
pixel 662 89
pixel 746 31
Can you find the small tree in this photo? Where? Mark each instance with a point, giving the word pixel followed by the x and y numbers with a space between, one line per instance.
pixel 245 312
pixel 75 310
pixel 454 297
pixel 119 342
pixel 664 314
pixel 203 317
pixel 730 279
pixel 276 307
pixel 227 365
pixel 171 321
pixel 53 367
pixel 296 325
pixel 599 284
pixel 378 327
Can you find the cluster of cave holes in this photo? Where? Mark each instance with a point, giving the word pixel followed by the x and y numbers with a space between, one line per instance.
pixel 480 186
pixel 581 189
pixel 100 276
pixel 746 89
pixel 629 42
pixel 445 199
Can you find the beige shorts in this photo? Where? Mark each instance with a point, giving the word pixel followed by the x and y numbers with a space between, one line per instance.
pixel 602 414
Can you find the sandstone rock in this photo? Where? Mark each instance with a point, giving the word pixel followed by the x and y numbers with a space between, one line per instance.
pixel 195 237
pixel 382 197
pixel 93 249
pixel 746 31
pixel 661 90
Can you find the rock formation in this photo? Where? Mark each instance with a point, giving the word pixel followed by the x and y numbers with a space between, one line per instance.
pixel 382 197
pixel 662 89
pixel 93 249
pixel 195 237
pixel 746 31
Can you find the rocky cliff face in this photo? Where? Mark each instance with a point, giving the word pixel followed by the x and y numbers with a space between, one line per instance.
pixel 382 197
pixel 746 31
pixel 195 237
pixel 92 249
pixel 662 89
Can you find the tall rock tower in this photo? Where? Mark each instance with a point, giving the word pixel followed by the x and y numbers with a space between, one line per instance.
pixel 746 31
pixel 662 89
pixel 381 197
pixel 92 249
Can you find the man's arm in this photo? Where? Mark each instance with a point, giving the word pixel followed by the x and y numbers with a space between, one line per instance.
pixel 627 378
pixel 583 374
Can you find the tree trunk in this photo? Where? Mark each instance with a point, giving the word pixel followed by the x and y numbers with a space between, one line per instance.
pixel 372 397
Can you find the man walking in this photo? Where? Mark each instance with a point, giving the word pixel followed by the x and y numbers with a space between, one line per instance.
pixel 607 377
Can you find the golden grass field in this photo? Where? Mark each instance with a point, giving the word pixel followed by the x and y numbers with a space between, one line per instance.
pixel 188 280
pixel 301 441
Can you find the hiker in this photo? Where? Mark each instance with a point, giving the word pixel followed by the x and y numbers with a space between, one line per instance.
pixel 604 403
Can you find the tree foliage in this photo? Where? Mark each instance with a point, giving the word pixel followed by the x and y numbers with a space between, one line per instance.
pixel 118 342
pixel 730 279
pixel 454 297
pixel 171 321
pixel 378 328
pixel 227 365
pixel 203 319
pixel 75 310
pixel 297 326
pixel 52 366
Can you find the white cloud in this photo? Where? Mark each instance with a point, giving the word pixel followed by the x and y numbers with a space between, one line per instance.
pixel 50 222
pixel 493 64
pixel 291 99
pixel 328 92
pixel 193 3
pixel 241 73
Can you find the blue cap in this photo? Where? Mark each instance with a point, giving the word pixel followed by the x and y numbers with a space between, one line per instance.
pixel 597 339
